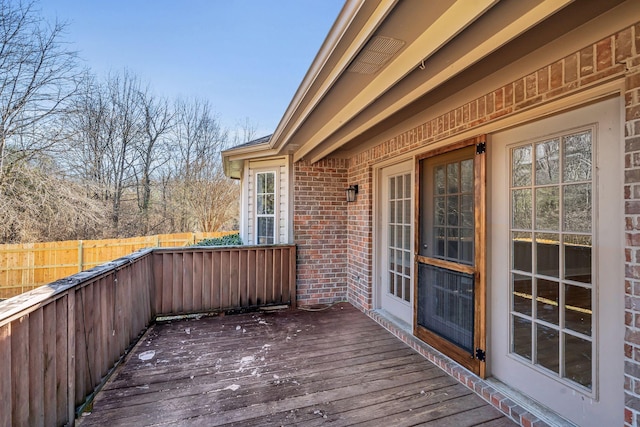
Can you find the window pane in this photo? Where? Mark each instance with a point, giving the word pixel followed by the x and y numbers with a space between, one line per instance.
pixel 453 172
pixel 399 215
pixel 452 243
pixel 578 360
pixel 577 157
pixel 407 186
pixel 407 289
pixel 522 294
pixel 521 343
pixel 521 210
pixel 407 211
pixel 577 309
pixel 270 182
pixel 547 300
pixel 261 185
pixel 392 212
pixel 547 254
pixel 269 204
pixel 466 209
pixel 521 251
pixel 260 204
pixel 466 168
pixel 577 258
pixel 407 237
pixel 466 245
pixel 577 207
pixel 521 166
pixel 438 242
pixel 547 208
pixel 392 236
pixel 548 347
pixel 392 188
pixel 265 230
pixel 439 207
pixel 452 211
pixel 399 187
pixel 439 180
pixel 547 162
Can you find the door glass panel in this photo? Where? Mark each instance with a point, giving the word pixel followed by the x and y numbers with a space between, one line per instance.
pixel 577 207
pixel 547 299
pixel 547 162
pixel 578 361
pixel 521 251
pixel 547 254
pixel 522 203
pixel 577 309
pixel 522 294
pixel 551 274
pixel 547 347
pixel 521 330
pixel 400 239
pixel 547 208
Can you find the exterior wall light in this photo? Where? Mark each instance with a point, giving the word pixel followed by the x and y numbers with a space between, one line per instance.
pixel 351 193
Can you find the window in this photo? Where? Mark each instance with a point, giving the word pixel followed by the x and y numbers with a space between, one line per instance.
pixel 551 256
pixel 265 208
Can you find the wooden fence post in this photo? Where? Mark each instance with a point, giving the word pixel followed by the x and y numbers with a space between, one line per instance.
pixel 80 256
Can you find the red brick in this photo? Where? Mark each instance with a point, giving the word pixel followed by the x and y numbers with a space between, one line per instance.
pixel 604 54
pixel 508 95
pixel 555 75
pixel 623 45
pixel 586 61
pixel 518 91
pixel 571 68
pixel 530 86
pixel 543 80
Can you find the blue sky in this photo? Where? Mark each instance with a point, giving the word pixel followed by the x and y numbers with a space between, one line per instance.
pixel 246 57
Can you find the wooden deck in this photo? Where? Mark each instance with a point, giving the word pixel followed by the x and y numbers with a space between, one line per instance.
pixel 335 366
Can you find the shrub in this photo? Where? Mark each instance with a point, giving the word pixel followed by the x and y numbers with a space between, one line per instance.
pixel 228 240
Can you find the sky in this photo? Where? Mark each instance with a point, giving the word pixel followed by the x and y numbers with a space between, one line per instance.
pixel 246 57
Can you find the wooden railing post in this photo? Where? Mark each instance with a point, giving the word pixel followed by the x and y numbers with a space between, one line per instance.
pixel 71 356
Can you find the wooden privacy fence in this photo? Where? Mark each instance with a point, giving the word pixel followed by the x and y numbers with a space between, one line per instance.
pixel 58 342
pixel 26 266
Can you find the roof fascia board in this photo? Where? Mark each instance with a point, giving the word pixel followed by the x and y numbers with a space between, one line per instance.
pixel 287 126
pixel 508 32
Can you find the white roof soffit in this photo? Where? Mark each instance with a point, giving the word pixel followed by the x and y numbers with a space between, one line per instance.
pixel 526 14
pixel 294 117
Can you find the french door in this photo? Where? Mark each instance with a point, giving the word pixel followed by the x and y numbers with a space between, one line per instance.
pixel 396 261
pixel 557 261
pixel 450 255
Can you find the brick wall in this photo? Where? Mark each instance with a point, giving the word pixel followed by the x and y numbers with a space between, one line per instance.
pixel 628 51
pixel 320 230
pixel 327 272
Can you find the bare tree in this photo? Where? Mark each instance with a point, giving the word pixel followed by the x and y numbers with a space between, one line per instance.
pixel 38 76
pixel 158 120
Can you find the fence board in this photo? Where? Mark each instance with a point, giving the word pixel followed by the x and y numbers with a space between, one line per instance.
pixel 50 364
pixel 24 267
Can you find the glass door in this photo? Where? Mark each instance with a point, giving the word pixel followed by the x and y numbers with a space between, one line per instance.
pixel 450 286
pixel 396 256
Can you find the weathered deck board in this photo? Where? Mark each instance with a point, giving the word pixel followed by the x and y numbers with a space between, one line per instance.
pixel 287 368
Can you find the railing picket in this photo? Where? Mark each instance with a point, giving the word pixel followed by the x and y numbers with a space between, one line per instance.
pixel 176 283
pixel 187 278
pixel 207 280
pixel 6 377
pixel 50 363
pixel 167 276
pixel 197 281
pixel 20 371
pixel 36 372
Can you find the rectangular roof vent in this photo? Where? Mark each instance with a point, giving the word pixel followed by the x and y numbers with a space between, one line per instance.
pixel 377 52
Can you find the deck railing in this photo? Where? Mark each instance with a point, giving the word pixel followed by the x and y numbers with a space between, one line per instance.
pixel 58 342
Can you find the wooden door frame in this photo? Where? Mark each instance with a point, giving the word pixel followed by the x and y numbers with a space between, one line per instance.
pixel 479 269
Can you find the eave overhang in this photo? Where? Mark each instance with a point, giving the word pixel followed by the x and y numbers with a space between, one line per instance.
pixel 334 108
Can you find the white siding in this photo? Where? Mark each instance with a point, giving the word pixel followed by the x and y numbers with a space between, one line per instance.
pixel 280 166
